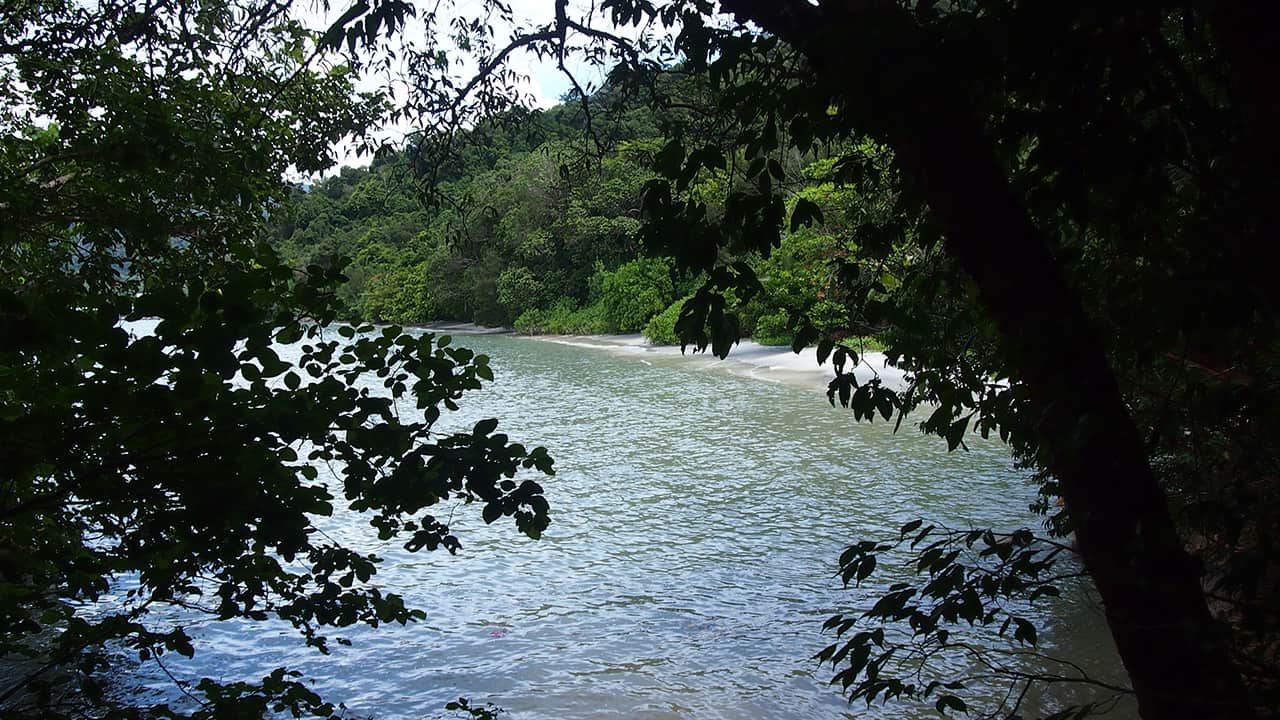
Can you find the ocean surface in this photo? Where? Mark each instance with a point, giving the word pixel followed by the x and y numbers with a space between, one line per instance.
pixel 697 520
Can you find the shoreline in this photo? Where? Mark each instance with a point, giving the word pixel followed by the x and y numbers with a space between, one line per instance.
pixel 770 363
pixel 749 359
pixel 461 328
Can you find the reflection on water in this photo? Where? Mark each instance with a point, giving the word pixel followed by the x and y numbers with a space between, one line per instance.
pixel 690 561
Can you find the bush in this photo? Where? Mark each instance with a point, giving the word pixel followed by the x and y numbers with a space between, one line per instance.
pixel 863 344
pixel 564 319
pixel 482 300
pixel 774 329
pixel 519 290
pixel 661 329
pixel 635 292
pixel 828 316
pixel 400 296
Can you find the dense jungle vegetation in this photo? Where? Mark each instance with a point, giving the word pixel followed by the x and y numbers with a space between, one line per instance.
pixel 532 226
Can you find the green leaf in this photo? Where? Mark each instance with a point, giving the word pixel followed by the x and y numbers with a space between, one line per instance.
pixel 825 346
pixel 955 433
pixel 806 212
pixel 1024 631
pixel 950 702
pixel 670 159
pixel 866 567
pixel 290 334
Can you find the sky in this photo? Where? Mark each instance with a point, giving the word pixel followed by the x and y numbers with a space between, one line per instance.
pixel 545 81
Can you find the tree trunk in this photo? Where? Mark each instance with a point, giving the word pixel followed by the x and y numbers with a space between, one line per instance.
pixel 1175 653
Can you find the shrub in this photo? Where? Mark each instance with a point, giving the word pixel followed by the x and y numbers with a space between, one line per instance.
pixel 519 290
pixel 661 329
pixel 636 291
pixel 564 319
pixel 482 300
pixel 401 295
pixel 863 344
pixel 828 316
pixel 774 329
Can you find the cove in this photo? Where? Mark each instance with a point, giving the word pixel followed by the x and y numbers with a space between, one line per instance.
pixel 697 519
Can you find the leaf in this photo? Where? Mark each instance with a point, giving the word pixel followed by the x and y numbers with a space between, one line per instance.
pixel 804 336
pixel 955 433
pixel 806 212
pixel 824 349
pixel 1024 631
pixel 950 702
pixel 840 359
pixel 492 511
pixel 885 402
pixel 290 334
pixel 669 159
pixel 866 567
pixel 710 157
pixel 333 36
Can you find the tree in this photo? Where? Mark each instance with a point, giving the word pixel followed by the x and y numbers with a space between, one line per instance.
pixel 1030 152
pixel 151 433
pixel 1125 533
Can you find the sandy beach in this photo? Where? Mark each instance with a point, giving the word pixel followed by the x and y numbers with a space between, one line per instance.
pixel 746 359
pixel 463 328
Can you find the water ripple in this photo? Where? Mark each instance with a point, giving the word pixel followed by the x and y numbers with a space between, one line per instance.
pixel 689 566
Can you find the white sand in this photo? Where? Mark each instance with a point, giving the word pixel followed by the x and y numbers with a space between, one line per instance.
pixel 746 359
pixel 463 328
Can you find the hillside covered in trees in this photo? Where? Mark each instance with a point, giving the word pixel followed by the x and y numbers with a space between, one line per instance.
pixel 536 225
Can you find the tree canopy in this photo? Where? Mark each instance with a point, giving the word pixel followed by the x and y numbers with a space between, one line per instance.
pixel 1069 247
pixel 155 445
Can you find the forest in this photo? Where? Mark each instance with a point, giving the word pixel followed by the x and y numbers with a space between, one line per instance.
pixel 534 227
pixel 1056 219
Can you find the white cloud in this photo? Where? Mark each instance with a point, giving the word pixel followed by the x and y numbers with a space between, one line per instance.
pixel 542 80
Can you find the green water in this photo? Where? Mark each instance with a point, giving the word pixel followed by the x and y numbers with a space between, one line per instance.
pixel 697 519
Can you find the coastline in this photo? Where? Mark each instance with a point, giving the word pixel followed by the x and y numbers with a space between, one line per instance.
pixel 746 359
pixel 462 328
